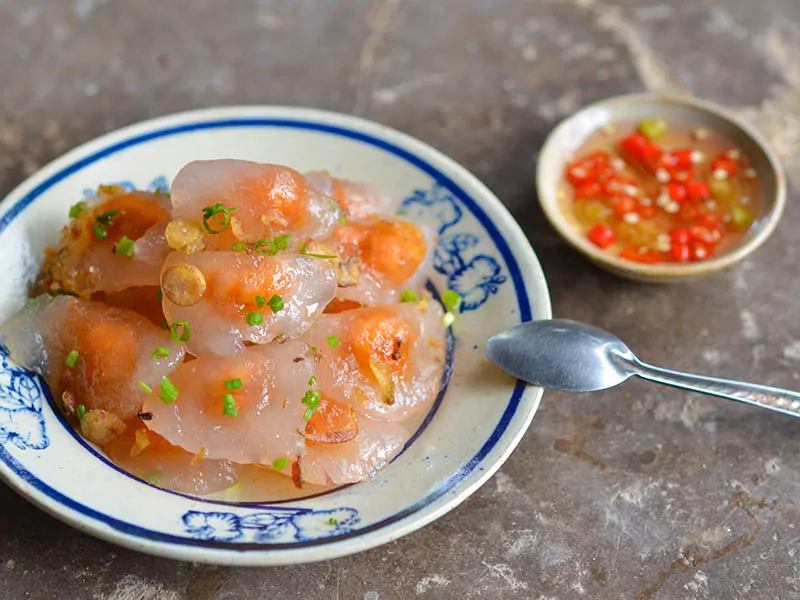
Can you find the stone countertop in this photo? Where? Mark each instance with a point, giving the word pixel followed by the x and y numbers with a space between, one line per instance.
pixel 639 492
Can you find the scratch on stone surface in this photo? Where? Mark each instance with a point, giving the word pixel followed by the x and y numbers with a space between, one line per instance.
pixel 390 95
pixel 750 329
pixel 83 9
pixel 132 587
pixel 654 73
pixel 378 25
pixel 714 357
pixel 522 541
pixel 505 573
pixel 436 580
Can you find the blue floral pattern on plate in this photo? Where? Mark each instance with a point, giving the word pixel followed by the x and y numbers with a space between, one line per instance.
pixel 21 418
pixel 475 278
pixel 158 184
pixel 271 524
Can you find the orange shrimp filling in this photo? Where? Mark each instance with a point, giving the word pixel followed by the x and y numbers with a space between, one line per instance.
pixel 236 291
pixel 394 248
pixel 143 300
pixel 380 336
pixel 332 423
pixel 137 212
pixel 281 193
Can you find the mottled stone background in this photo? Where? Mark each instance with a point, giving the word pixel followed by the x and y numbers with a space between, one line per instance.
pixel 639 492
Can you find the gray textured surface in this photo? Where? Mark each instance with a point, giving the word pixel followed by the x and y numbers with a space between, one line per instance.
pixel 638 492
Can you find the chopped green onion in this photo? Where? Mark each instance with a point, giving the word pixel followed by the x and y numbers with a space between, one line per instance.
pixel 160 352
pixel 260 301
pixel 449 319
pixel 167 392
pixel 304 251
pixel 153 479
pixel 145 387
pixel 342 221
pixel 311 399
pixel 233 384
pixel 100 232
pixel 239 247
pixel 211 215
pixel 653 129
pixel 80 411
pixel 401 213
pixel 162 192
pixel 276 303
pixel 164 325
pixel 265 247
pixel 72 358
pixel 314 349
pixel 333 341
pixel 333 521
pixel 254 318
pixel 279 464
pixel 77 209
pixel 312 381
pixel 159 295
pixel 409 296
pixel 281 242
pixel 185 331
pixel 106 218
pixel 125 246
pixel 229 406
pixel 452 300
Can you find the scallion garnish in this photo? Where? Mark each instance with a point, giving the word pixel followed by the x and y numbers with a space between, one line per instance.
pixel 145 387
pixel 449 319
pixel 100 232
pixel 159 296
pixel 260 301
pixel 78 209
pixel 164 325
pixel 161 352
pixel 72 358
pixel 265 247
pixel 233 384
pixel 80 412
pixel 314 349
pixel 106 218
pixel 333 341
pixel 333 521
pixel 239 247
pixel 180 331
pixel 312 381
pixel 311 399
pixel 279 464
pixel 452 300
pixel 276 303
pixel 254 318
pixel 125 246
pixel 342 221
pixel 229 406
pixel 282 242
pixel 219 216
pixel 167 392
pixel 409 296
pixel 304 250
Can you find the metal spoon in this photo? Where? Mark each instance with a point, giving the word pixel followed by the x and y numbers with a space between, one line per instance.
pixel 574 357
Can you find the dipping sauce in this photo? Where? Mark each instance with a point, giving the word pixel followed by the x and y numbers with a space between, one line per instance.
pixel 657 192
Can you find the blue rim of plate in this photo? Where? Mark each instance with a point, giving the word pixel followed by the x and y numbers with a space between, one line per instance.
pixel 336 130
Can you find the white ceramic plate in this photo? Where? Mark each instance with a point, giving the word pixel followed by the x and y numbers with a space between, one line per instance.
pixel 475 424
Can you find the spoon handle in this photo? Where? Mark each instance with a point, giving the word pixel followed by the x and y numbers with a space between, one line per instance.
pixel 764 396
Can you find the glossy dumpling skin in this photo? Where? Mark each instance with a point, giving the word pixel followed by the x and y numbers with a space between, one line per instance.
pixel 392 255
pixel 269 421
pixel 358 199
pixel 270 200
pixel 115 351
pixel 152 458
pixel 84 263
pixel 387 361
pixel 376 444
pixel 233 283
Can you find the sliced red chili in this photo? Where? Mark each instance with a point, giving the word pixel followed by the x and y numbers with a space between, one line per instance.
pixel 698 190
pixel 699 250
pixel 680 160
pixel 601 235
pixel 677 191
pixel 680 236
pixel 688 213
pixel 725 163
pixel 680 253
pixel 588 190
pixel 624 204
pixel 642 150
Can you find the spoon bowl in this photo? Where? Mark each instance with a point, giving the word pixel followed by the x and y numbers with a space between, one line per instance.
pixel 575 357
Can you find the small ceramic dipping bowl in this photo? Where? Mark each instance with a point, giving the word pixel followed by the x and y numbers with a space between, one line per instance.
pixel 569 135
